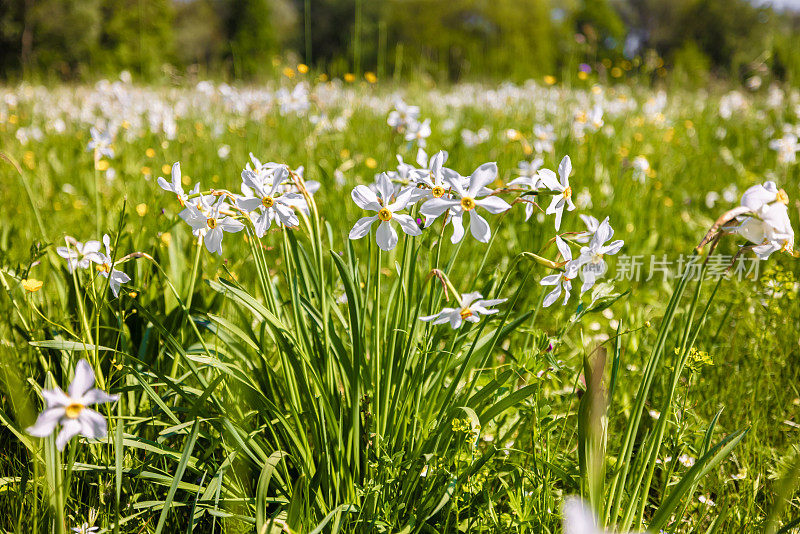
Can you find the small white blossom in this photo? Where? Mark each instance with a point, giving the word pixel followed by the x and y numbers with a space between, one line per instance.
pixel 71 411
pixel 471 307
pixel 387 206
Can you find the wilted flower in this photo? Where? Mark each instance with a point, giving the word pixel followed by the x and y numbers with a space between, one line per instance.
pixel 71 411
pixel 472 306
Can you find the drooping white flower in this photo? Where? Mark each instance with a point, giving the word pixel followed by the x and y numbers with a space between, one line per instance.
pixel 770 230
pixel 78 254
pixel 561 280
pixel 263 193
pixel 466 199
pixel 387 206
pixel 71 411
pixel 211 224
pixel 105 267
pixel 757 196
pixel 175 186
pixel 563 198
pixel 591 261
pixel 472 306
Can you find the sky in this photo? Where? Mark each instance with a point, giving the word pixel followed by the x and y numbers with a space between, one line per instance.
pixel 781 4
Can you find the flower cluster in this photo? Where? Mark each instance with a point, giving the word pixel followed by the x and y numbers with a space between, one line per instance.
pixel 82 255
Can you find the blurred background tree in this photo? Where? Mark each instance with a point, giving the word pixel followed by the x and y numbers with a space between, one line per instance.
pixel 445 40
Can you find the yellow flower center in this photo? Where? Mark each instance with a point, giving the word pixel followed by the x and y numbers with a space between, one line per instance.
pixel 466 312
pixel 438 191
pixel 212 222
pixel 385 214
pixel 105 268
pixel 468 203
pixel 782 197
pixel 73 410
pixel 268 202
pixel 567 192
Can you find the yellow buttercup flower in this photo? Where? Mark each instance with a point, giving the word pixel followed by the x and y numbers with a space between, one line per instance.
pixel 32 285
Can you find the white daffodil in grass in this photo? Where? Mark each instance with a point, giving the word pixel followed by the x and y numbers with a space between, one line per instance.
pixel 465 199
pixel 430 179
pixel 769 227
pixel 105 266
pixel 71 410
pixel 262 193
pixel 771 230
pixel 563 197
pixel 471 307
pixel 591 259
pixel 529 181
pixel 175 186
pixel 578 518
pixel 561 280
pixel 78 254
pixel 387 206
pixel 592 224
pixel 211 224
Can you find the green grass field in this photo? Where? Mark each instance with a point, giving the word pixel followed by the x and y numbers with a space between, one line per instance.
pixel 289 384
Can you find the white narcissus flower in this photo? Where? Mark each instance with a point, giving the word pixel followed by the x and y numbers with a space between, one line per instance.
pixel 263 193
pixel 466 200
pixel 100 144
pixel 640 168
pixel 591 261
pixel 771 230
pixel 78 254
pixel 431 177
pixel 562 280
pixel 175 186
pixel 543 138
pixel 386 205
pixel 564 197
pixel 71 411
pixel 419 132
pixel 578 518
pixel 592 224
pixel 528 180
pixel 402 115
pixel 105 267
pixel 210 225
pixel 787 148
pixel 85 529
pixel 759 195
pixel 472 306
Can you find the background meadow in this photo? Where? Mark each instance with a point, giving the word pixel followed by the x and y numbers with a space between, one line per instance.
pixel 287 384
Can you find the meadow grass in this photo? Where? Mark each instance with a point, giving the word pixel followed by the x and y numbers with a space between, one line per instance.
pixel 289 384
